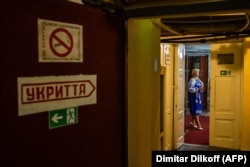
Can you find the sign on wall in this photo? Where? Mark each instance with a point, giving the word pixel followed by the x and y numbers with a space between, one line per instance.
pixel 59 41
pixel 225 72
pixel 165 54
pixel 63 117
pixel 42 94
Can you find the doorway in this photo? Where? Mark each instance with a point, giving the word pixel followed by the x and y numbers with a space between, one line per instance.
pixel 198 56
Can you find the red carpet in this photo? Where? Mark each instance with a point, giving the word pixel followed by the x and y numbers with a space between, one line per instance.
pixel 195 136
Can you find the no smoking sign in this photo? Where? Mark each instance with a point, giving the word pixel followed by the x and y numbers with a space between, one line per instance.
pixel 59 42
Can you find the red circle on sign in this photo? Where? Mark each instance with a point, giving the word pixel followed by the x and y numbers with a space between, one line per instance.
pixel 68 47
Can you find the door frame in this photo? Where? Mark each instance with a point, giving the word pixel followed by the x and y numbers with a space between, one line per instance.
pixel 198 53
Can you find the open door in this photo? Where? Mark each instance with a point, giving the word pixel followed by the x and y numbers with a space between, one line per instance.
pixel 179 95
pixel 167 54
pixel 225 104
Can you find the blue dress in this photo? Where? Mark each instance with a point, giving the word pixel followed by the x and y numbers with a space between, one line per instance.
pixel 195 96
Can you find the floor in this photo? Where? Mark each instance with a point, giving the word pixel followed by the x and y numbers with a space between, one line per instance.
pixel 193 147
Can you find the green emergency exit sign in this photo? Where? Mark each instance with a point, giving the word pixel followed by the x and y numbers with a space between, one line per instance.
pixel 63 117
pixel 225 72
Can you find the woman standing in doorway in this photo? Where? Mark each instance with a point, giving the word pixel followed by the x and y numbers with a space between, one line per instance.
pixel 195 88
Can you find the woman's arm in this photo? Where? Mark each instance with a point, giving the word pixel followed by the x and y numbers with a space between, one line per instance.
pixel 191 86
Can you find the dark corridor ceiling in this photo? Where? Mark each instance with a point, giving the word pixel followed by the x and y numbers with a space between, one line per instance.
pixel 206 28
pixel 187 21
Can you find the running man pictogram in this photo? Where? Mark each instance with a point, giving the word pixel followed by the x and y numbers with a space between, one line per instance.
pixel 71 115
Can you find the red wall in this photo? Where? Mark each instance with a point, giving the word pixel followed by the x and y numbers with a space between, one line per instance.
pixel 98 138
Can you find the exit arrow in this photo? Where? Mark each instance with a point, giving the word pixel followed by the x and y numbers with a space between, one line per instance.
pixel 63 117
pixel 56 118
